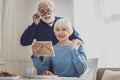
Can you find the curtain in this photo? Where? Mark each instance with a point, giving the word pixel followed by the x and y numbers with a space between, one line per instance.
pixel 15 19
pixel 0 23
pixel 8 28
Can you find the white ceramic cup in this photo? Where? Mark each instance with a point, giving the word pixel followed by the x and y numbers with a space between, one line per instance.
pixel 29 71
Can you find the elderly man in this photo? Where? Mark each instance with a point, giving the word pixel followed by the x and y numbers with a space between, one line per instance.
pixel 42 27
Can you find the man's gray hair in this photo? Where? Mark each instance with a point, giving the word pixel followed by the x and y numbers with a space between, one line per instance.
pixel 46 2
pixel 64 21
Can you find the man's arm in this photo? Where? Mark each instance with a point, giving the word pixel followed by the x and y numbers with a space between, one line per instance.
pixel 75 35
pixel 28 36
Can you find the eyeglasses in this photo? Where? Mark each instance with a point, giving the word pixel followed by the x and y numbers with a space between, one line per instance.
pixel 44 12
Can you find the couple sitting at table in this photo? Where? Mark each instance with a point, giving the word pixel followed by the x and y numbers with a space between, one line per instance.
pixel 69 59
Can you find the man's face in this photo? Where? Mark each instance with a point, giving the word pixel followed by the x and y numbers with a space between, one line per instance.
pixel 46 12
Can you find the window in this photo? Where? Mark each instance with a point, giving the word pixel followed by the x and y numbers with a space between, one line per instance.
pixel 101 39
pixel 88 19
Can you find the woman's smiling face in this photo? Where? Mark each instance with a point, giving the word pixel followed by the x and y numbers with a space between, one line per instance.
pixel 62 32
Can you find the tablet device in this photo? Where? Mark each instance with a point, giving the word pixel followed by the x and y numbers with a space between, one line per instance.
pixel 46 48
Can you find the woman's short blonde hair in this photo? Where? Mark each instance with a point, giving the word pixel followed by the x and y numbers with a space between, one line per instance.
pixel 63 22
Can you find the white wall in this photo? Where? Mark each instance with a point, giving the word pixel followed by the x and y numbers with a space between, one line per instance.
pixel 113 44
pixel 113 31
pixel 89 22
pixel 65 9
pixel 94 20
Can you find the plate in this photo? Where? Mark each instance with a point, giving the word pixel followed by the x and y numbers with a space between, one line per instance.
pixel 10 78
pixel 46 77
pixel 40 77
pixel 29 76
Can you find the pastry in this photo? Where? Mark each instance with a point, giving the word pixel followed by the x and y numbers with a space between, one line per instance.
pixel 48 73
pixel 5 74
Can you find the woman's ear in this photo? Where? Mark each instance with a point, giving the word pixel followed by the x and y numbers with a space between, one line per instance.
pixel 69 33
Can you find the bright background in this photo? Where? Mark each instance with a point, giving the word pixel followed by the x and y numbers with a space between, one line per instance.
pixel 97 21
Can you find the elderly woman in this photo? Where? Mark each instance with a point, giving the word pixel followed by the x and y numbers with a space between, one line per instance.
pixel 69 59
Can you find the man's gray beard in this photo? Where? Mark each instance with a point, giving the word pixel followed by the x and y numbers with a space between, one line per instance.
pixel 47 20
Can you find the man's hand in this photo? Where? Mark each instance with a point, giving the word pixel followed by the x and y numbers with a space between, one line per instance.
pixel 36 18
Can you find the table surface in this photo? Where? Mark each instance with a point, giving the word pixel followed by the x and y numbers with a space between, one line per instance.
pixel 41 78
pixel 53 78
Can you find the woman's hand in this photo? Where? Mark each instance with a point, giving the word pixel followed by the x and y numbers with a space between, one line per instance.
pixel 36 18
pixel 36 47
pixel 75 43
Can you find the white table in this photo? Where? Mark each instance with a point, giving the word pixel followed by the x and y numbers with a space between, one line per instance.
pixel 54 78
pixel 42 78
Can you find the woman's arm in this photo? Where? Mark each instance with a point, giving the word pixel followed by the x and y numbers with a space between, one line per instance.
pixel 79 59
pixel 41 66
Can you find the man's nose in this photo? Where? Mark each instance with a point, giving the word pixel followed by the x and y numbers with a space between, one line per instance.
pixel 45 12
